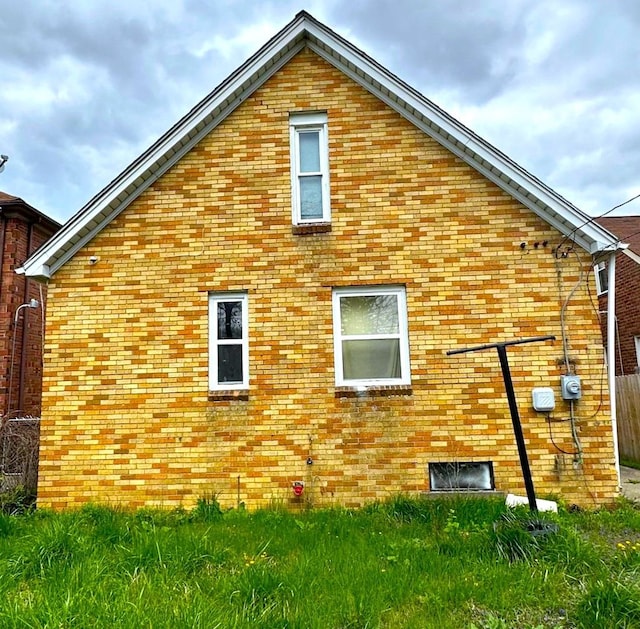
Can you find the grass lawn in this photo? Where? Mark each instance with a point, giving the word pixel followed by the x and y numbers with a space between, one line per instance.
pixel 402 563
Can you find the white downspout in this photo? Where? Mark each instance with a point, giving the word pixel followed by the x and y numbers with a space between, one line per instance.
pixel 611 353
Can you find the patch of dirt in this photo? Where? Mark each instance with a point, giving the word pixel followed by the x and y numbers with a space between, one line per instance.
pixel 630 483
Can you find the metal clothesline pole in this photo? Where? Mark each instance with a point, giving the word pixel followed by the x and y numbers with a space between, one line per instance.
pixel 513 406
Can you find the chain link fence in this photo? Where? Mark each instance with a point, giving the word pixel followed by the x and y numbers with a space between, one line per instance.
pixel 19 446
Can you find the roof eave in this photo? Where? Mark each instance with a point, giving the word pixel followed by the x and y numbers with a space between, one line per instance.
pixel 168 150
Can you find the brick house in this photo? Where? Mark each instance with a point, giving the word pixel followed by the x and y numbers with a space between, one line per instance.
pixel 627 306
pixel 263 301
pixel 22 230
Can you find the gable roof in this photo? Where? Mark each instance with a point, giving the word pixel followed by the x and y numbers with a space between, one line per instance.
pixel 627 229
pixel 305 31
pixel 15 206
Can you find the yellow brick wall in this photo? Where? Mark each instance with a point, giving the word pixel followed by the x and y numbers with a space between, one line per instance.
pixel 126 417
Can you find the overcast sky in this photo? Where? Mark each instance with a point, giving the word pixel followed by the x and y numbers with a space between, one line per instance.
pixel 88 85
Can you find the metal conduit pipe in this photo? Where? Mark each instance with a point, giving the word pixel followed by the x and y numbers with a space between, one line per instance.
pixel 611 352
pixel 25 331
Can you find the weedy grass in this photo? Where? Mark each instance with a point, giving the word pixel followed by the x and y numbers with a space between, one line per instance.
pixel 400 563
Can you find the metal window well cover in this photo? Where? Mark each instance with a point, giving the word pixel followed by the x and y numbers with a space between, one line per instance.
pixel 543 505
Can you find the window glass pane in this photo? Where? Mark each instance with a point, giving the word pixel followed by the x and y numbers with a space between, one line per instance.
pixel 309 151
pixel 368 359
pixel 461 475
pixel 230 320
pixel 369 314
pixel 229 364
pixel 311 197
pixel 603 278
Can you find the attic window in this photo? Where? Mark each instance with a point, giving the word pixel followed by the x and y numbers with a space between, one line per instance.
pixel 461 476
pixel 309 169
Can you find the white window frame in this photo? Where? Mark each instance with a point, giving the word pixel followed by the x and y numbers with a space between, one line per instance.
pixel 636 340
pixel 402 335
pixel 599 270
pixel 299 123
pixel 215 342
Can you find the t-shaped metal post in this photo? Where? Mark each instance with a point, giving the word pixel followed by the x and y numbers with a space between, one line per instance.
pixel 513 406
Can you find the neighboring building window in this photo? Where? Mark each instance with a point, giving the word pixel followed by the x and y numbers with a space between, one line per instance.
pixel 602 278
pixel 637 342
pixel 309 168
pixel 228 345
pixel 370 336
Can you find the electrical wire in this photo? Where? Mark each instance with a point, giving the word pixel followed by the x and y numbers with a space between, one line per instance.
pixel 595 306
pixel 583 475
pixel 586 485
pixel 565 341
pixel 623 238
pixel 563 254
pixel 563 310
pixel 596 309
pixel 556 446
pixel 570 235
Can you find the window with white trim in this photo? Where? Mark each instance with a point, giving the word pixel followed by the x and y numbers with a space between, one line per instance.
pixel 309 168
pixel 228 341
pixel 636 340
pixel 371 343
pixel 602 278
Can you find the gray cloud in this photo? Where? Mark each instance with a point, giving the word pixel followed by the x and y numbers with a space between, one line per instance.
pixel 442 45
pixel 89 85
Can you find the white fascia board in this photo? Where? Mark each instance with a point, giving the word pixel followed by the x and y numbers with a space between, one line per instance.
pixel 634 256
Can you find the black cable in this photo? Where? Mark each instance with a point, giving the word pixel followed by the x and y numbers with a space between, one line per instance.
pixel 622 238
pixel 557 447
pixel 593 219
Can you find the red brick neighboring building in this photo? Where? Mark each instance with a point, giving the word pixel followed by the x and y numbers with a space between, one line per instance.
pixel 22 230
pixel 627 229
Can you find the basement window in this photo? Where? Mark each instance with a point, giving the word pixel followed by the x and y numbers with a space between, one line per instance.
pixel 461 476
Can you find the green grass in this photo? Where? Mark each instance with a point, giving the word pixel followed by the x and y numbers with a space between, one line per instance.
pixel 630 463
pixel 402 563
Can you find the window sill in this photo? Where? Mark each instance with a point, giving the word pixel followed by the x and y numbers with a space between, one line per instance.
pixel 313 228
pixel 374 391
pixel 231 394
